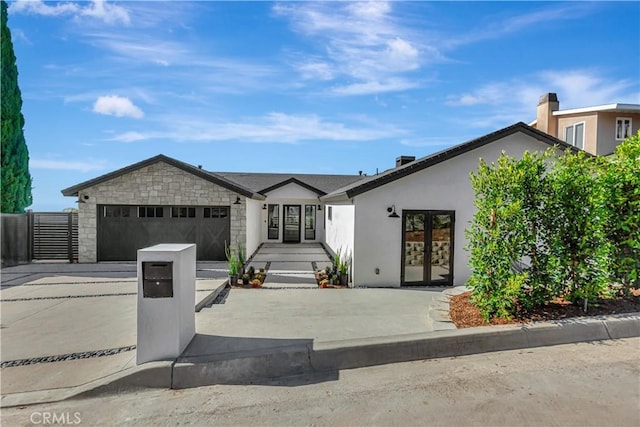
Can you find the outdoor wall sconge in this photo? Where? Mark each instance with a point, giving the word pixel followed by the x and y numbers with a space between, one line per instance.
pixel 392 212
pixel 237 202
pixel 264 207
pixel 319 207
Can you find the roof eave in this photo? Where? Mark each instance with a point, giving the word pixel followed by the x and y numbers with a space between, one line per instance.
pixel 296 181
pixel 456 151
pixel 74 190
pixel 335 197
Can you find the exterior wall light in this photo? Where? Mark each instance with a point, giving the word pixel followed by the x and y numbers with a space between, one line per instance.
pixel 237 202
pixel 392 212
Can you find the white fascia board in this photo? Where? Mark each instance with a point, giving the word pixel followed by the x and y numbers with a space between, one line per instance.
pixel 598 108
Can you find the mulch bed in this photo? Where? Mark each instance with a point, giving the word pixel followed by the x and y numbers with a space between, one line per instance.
pixel 465 315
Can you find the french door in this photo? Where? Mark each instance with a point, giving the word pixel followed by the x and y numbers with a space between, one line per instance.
pixel 291 224
pixel 427 247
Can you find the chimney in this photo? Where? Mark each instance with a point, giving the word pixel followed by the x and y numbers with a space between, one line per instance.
pixel 544 115
pixel 403 160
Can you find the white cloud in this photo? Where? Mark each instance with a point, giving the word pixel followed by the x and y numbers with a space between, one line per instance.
pixel 109 13
pixel 114 105
pixel 493 27
pixel 274 127
pixel 316 70
pixel 87 166
pixel 362 43
pixel 96 9
pixel 373 87
pixel 515 100
pixel 575 88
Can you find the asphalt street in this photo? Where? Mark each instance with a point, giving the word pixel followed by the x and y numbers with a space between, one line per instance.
pixel 584 384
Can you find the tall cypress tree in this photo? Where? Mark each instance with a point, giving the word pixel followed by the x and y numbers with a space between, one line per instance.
pixel 16 180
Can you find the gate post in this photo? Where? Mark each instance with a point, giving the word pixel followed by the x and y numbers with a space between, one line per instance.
pixel 70 236
pixel 30 234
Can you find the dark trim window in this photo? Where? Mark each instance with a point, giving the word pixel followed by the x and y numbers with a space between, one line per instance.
pixel 183 212
pixel 216 212
pixel 310 222
pixel 273 222
pixel 329 213
pixel 117 211
pixel 150 212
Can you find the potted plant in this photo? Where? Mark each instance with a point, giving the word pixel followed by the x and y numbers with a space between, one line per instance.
pixel 251 272
pixel 232 262
pixel 336 261
pixel 245 279
pixel 335 279
pixel 241 259
pixel 343 269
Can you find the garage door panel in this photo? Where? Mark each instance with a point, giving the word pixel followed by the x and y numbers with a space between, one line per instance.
pixel 119 238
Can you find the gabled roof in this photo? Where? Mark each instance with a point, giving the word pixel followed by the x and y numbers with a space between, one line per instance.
pixel 265 182
pixel 216 179
pixel 391 175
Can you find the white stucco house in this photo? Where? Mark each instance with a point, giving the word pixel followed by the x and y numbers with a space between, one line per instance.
pixel 405 226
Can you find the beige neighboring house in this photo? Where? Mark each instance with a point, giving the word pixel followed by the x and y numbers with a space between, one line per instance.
pixel 597 130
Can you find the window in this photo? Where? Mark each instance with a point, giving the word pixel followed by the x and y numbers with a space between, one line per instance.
pixel 216 212
pixel 574 135
pixel 623 128
pixel 150 212
pixel 329 213
pixel 310 222
pixel 117 211
pixel 273 222
pixel 183 212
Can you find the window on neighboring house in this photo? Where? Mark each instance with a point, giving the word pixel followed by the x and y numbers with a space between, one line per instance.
pixel 183 212
pixel 329 213
pixel 623 128
pixel 574 135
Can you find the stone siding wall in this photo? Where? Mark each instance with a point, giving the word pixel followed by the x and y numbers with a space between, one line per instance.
pixel 157 184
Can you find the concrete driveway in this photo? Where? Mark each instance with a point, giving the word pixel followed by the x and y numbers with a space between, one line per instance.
pixel 64 325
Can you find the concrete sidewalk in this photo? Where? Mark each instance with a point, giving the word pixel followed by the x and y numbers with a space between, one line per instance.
pixel 290 266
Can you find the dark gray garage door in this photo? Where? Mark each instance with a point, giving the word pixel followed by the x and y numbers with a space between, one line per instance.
pixel 122 230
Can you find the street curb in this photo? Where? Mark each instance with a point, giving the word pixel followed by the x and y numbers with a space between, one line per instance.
pixel 266 365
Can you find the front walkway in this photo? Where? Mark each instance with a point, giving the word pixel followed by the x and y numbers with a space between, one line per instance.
pixel 290 265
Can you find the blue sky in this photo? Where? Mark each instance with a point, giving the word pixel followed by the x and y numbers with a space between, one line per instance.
pixel 310 87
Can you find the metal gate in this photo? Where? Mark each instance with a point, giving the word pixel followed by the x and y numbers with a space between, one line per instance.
pixel 54 235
